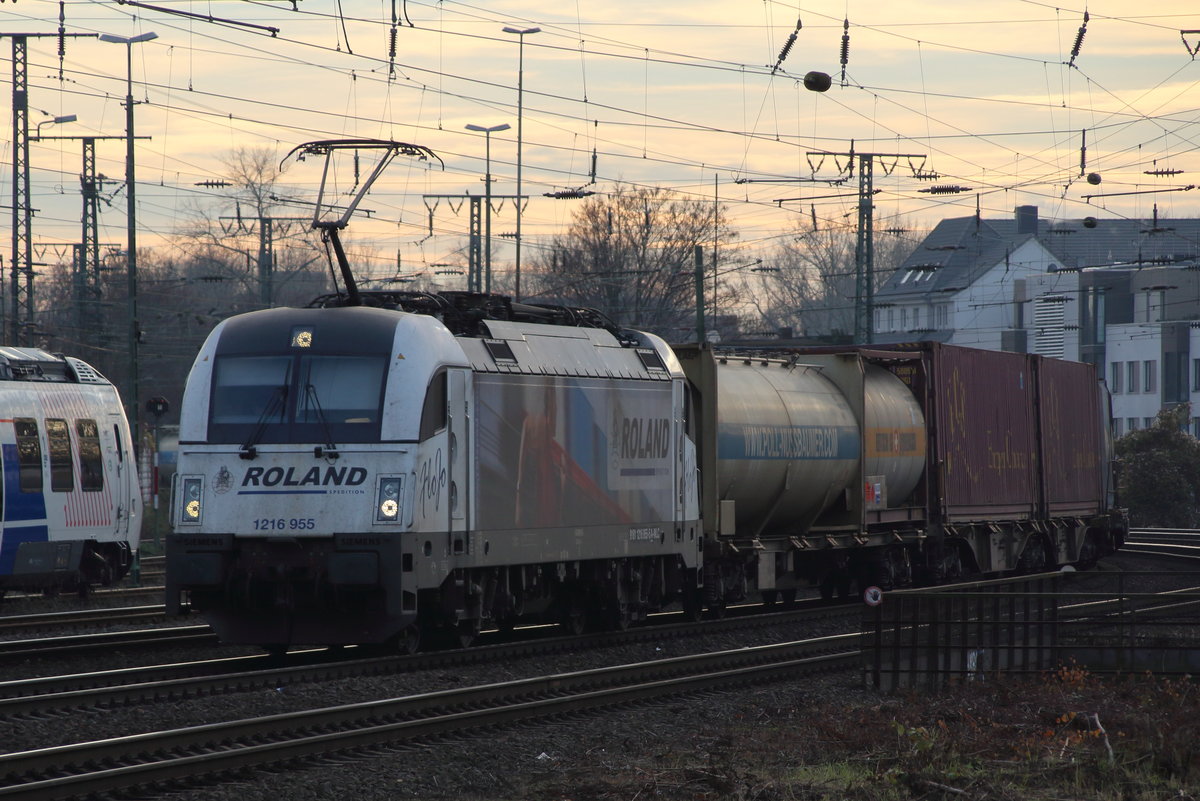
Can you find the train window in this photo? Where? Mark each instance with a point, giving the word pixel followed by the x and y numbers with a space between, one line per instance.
pixel 91 466
pixel 340 389
pixel 120 443
pixel 29 454
pixel 433 413
pixel 62 474
pixel 250 389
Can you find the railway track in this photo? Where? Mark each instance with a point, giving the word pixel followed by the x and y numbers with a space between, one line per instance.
pixel 76 644
pixel 213 751
pixel 1176 543
pixel 241 673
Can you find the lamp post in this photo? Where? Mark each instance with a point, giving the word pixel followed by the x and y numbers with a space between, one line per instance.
pixel 520 32
pixel 54 121
pixel 487 212
pixel 131 399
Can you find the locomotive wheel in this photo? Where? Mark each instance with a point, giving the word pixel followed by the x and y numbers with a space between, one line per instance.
pixel 789 598
pixel 619 617
pixel 715 610
pixel 574 619
pixel 466 631
pixel 692 606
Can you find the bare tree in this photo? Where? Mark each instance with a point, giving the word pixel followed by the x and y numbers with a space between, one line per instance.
pixel 630 254
pixel 809 286
pixel 253 240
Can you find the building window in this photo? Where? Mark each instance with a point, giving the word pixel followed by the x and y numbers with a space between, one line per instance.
pixel 1151 374
pixel 1196 375
pixel 917 318
pixel 1132 424
pixel 1147 422
pixel 1133 374
pixel 1117 374
pixel 1196 427
pixel 891 319
pixel 904 319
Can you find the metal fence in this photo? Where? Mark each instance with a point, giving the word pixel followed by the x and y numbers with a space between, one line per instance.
pixel 1105 622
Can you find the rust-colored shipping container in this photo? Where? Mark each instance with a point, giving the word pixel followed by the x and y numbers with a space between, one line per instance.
pixel 985 442
pixel 1071 428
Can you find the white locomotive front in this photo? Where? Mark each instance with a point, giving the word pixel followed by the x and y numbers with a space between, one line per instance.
pixel 359 475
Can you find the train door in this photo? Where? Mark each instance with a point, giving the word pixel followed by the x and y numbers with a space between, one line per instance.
pixel 121 476
pixel 458 422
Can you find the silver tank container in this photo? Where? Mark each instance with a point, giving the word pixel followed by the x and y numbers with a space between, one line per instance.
pixel 789 444
pixel 894 437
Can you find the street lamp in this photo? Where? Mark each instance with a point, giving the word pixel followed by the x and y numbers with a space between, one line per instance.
pixel 131 399
pixel 487 212
pixel 521 32
pixel 54 121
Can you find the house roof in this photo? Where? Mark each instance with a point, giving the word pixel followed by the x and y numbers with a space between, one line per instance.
pixel 958 250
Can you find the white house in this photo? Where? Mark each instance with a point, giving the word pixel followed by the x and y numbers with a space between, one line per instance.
pixel 1121 294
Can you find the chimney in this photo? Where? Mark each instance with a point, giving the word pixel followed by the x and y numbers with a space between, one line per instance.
pixel 1027 219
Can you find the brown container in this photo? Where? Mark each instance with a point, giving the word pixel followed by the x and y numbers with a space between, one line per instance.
pixel 1070 409
pixel 985 444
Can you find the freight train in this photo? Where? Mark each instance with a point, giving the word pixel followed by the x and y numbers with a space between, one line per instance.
pixel 71 499
pixel 371 469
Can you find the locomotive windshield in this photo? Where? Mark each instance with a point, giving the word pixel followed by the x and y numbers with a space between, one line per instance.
pixel 300 398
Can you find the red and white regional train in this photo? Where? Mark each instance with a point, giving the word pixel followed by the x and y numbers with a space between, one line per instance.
pixel 440 463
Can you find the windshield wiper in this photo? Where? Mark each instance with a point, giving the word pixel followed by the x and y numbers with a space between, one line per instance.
pixel 331 449
pixel 274 403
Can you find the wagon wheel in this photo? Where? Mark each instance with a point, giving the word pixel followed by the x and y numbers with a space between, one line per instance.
pixel 409 640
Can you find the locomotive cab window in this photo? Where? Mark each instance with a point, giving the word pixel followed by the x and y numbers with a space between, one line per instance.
pixel 433 413
pixel 303 397
pixel 29 454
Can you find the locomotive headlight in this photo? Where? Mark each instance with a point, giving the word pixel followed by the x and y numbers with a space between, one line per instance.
pixel 387 499
pixel 192 490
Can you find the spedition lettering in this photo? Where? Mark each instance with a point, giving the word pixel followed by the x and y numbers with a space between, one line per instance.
pixel 313 477
pixel 645 438
pixel 776 442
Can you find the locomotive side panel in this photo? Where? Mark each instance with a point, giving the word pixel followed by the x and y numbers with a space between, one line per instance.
pixel 564 453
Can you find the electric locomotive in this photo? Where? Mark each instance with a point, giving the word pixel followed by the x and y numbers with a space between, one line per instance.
pixel 71 498
pixel 361 474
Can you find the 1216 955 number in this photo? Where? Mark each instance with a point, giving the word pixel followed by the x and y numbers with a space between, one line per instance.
pixel 284 524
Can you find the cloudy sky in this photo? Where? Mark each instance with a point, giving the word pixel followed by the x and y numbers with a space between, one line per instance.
pixel 990 96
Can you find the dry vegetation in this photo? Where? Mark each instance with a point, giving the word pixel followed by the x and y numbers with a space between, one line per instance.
pixel 1064 735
